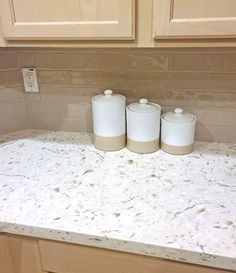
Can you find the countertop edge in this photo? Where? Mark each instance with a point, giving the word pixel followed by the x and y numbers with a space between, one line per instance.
pixel 140 248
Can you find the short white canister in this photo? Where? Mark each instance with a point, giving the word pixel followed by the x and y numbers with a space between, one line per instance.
pixel 177 132
pixel 109 124
pixel 143 126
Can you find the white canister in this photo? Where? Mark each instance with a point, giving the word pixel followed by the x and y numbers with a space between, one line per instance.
pixel 143 126
pixel 177 132
pixel 109 121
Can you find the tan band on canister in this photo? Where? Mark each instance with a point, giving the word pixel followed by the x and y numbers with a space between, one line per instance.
pixel 109 143
pixel 143 147
pixel 176 150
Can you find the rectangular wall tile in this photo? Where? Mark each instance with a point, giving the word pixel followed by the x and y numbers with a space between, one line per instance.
pixel 222 82
pixel 189 62
pixel 68 124
pixel 5 126
pixel 53 77
pixel 18 109
pixel 36 122
pixel 201 98
pixel 35 108
pixel 14 78
pixel 19 123
pixel 26 59
pixel 9 95
pixel 68 94
pixel 8 60
pixel 68 61
pixel 61 109
pixel 217 99
pixel 216 133
pixel 223 62
pixel 117 62
pixel 84 78
pixel 222 117
pixel 182 98
pixel 151 62
pixel 135 62
pixel 187 80
pixel 32 96
pixel 116 79
pixel 4 111
pixel 151 81
pixel 2 79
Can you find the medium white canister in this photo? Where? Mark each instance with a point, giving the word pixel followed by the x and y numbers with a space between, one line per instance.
pixel 143 126
pixel 177 132
pixel 109 121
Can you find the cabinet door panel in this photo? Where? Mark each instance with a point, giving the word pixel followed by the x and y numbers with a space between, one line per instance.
pixel 24 254
pixel 6 265
pixel 195 18
pixel 68 19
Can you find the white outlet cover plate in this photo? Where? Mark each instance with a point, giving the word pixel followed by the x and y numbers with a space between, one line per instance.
pixel 30 80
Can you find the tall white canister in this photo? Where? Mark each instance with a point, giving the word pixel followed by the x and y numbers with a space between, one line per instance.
pixel 177 132
pixel 143 126
pixel 109 124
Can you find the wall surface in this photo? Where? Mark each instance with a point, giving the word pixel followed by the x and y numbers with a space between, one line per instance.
pixel 13 114
pixel 202 81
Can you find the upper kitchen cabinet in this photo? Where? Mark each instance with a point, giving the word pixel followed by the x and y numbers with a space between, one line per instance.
pixel 195 19
pixel 67 19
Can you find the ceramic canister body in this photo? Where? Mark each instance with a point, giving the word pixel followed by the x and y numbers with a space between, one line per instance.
pixel 109 121
pixel 177 132
pixel 143 126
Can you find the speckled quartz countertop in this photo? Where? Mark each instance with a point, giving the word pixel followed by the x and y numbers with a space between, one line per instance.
pixel 56 185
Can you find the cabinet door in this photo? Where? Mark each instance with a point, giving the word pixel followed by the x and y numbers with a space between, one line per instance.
pixel 6 265
pixel 67 19
pixel 19 255
pixel 195 18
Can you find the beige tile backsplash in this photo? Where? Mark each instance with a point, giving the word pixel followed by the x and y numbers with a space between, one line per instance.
pixel 202 81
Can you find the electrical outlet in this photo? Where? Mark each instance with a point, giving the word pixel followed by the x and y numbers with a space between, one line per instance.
pixel 30 79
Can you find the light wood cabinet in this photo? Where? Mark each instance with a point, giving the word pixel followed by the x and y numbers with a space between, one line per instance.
pixel 2 42
pixel 68 258
pixel 118 23
pixel 195 19
pixel 72 20
pixel 19 254
pixel 5 259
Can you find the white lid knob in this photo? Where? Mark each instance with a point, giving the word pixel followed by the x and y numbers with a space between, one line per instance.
pixel 108 92
pixel 179 111
pixel 143 101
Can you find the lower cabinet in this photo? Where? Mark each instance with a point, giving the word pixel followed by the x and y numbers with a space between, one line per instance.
pixel 5 259
pixel 20 254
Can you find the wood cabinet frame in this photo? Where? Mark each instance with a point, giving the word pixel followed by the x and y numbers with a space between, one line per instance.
pixel 121 28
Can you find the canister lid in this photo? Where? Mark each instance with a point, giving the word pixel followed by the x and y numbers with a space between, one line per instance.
pixel 143 106
pixel 178 116
pixel 109 97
